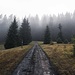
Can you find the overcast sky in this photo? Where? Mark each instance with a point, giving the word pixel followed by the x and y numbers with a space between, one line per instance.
pixel 21 8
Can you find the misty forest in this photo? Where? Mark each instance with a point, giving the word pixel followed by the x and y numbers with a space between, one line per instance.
pixel 38 26
pixel 37 46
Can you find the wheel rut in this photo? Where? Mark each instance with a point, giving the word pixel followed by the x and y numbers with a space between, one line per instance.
pixel 34 63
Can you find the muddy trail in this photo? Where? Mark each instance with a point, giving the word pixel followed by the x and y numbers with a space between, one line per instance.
pixel 34 63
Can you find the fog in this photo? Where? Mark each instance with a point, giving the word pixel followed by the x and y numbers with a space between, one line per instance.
pixel 38 25
pixel 67 21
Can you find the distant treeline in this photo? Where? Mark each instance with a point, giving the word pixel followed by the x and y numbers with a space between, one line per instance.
pixel 38 26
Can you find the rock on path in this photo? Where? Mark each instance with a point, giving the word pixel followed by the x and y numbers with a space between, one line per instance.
pixel 34 63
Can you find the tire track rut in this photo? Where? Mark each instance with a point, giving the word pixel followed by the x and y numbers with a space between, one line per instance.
pixel 34 63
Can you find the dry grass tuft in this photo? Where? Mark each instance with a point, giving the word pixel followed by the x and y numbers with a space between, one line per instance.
pixel 10 58
pixel 62 56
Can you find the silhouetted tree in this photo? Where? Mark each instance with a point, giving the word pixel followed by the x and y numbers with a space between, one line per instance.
pixel 25 32
pixel 60 36
pixel 11 40
pixel 47 38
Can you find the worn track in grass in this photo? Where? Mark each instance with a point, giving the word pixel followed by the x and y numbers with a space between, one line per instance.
pixel 34 63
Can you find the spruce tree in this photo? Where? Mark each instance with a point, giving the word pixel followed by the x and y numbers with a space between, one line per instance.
pixel 11 40
pixel 47 38
pixel 25 32
pixel 60 36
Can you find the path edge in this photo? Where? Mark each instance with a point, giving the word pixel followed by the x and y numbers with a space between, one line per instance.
pixel 20 60
pixel 54 68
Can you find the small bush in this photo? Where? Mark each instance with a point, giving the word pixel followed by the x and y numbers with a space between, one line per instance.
pixel 73 40
pixel 66 41
pixel 59 40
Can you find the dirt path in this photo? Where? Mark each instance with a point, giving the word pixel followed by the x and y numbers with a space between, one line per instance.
pixel 34 63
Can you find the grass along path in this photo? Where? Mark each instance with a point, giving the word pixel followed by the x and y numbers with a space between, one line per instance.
pixel 2 47
pixel 11 57
pixel 61 56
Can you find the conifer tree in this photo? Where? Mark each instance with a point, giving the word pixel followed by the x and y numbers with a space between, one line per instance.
pixel 11 40
pixel 47 38
pixel 25 32
pixel 60 36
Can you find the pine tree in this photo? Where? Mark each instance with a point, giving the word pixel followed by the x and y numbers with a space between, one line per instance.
pixel 11 40
pixel 60 36
pixel 25 32
pixel 47 38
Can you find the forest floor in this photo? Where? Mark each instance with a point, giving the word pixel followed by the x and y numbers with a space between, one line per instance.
pixel 10 58
pixel 61 55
